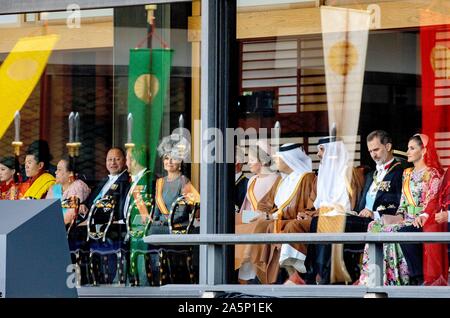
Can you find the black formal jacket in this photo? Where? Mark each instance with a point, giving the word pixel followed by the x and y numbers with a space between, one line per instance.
pixel 118 190
pixel 388 197
pixel 240 190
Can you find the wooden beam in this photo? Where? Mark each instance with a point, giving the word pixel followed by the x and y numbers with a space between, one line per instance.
pixel 304 21
pixel 14 6
pixel 95 35
pixel 194 28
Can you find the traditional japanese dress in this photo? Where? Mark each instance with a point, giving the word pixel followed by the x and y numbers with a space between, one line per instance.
pixel 9 190
pixel 435 257
pixel 419 187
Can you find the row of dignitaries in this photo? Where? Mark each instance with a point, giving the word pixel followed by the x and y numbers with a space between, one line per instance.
pixel 106 226
pixel 137 213
pixel 341 198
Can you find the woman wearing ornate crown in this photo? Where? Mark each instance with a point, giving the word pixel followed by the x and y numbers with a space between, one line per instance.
pixel 174 150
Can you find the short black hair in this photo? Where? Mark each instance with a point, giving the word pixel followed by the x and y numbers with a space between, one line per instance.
pixel 119 149
pixel 40 150
pixel 382 135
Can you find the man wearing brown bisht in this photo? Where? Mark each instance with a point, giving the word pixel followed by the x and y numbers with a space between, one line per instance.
pixel 295 193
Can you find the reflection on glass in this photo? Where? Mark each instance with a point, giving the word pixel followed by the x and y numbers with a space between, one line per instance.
pixel 75 94
pixel 331 75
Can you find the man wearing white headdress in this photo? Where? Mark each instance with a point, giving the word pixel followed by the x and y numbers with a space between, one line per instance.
pixel 338 190
pixel 332 181
pixel 295 193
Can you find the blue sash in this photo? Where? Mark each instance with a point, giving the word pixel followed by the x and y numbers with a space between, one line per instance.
pixel 370 201
pixel 57 193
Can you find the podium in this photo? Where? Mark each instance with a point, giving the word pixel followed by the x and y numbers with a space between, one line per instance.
pixel 34 253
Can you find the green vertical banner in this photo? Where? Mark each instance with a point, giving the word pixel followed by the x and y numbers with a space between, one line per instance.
pixel 148 82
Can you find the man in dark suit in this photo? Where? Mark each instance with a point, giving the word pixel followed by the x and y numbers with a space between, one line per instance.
pixel 107 253
pixel 116 184
pixel 383 187
pixel 381 193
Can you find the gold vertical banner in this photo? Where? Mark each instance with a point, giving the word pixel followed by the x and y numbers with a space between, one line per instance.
pixel 345 34
pixel 20 73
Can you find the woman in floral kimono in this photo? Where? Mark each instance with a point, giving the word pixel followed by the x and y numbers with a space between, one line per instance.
pixel 420 186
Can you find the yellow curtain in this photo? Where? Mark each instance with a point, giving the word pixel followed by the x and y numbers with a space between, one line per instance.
pixel 20 73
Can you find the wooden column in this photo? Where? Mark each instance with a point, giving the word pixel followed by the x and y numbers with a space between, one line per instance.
pixel 194 36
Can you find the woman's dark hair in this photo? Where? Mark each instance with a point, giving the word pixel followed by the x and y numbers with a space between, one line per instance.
pixel 418 140
pixel 8 162
pixel 430 158
pixel 69 165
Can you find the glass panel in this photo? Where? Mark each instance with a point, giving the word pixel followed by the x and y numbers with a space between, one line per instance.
pixel 30 17
pixel 90 83
pixel 338 71
pixel 9 19
pixel 63 15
